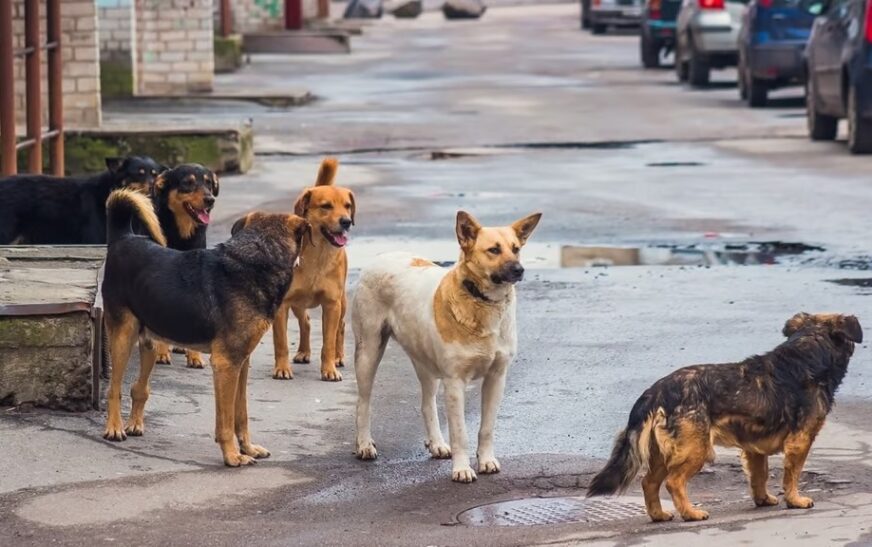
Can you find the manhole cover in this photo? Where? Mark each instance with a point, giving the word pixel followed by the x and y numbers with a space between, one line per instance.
pixel 536 511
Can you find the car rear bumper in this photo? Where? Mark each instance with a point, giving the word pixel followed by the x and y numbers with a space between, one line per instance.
pixel 616 15
pixel 714 32
pixel 777 61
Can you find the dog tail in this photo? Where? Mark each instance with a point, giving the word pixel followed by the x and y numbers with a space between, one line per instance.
pixel 125 205
pixel 327 172
pixel 631 451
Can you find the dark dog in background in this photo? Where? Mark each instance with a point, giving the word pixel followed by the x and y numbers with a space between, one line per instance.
pixel 45 210
pixel 183 198
pixel 221 301
pixel 776 402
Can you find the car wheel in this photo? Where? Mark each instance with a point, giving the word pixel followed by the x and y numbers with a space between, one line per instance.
pixel 698 69
pixel 820 126
pixel 680 64
pixel 585 18
pixel 598 28
pixel 742 80
pixel 649 51
pixel 758 92
pixel 859 128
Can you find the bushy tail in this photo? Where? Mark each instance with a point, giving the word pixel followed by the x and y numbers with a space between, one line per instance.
pixel 327 172
pixel 629 455
pixel 125 205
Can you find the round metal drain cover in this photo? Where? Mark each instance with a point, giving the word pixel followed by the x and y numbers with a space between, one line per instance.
pixel 537 511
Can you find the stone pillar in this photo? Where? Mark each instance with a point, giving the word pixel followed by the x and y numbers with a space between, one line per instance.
pixel 173 46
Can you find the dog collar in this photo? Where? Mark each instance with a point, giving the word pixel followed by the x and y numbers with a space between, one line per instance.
pixel 472 289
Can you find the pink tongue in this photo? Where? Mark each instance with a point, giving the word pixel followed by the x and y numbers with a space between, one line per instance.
pixel 203 216
pixel 340 239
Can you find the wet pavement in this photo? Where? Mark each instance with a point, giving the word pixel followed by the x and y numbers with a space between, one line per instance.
pixel 732 222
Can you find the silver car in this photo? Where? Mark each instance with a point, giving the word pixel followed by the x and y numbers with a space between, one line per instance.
pixel 706 37
pixel 599 15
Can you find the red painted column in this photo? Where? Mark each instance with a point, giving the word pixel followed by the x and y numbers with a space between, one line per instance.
pixel 293 14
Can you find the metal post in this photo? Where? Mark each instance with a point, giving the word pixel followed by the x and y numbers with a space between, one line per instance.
pixel 226 19
pixel 293 14
pixel 8 166
pixel 33 84
pixel 55 85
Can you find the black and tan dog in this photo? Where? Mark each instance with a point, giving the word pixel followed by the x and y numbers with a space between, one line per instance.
pixel 183 199
pixel 44 210
pixel 766 404
pixel 219 301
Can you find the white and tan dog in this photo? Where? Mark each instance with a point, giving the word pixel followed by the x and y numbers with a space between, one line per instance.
pixel 456 326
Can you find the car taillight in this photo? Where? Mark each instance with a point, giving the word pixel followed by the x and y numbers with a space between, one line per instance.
pixel 869 21
pixel 764 3
pixel 711 4
pixel 654 7
pixel 597 2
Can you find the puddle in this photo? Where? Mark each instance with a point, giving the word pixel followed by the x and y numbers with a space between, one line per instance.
pixel 675 164
pixel 863 282
pixel 363 252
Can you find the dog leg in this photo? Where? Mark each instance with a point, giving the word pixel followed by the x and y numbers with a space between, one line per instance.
pixel 242 434
pixel 304 348
pixel 162 353
pixel 692 448
pixel 757 468
pixel 140 390
pixel 340 333
pixel 796 449
pixel 122 336
pixel 651 483
pixel 369 348
pixel 435 442
pixel 492 388
pixel 282 369
pixel 226 375
pixel 330 322
pixel 194 359
pixel 454 406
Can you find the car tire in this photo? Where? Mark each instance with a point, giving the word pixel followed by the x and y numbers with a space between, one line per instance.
pixel 742 80
pixel 758 92
pixel 859 128
pixel 585 17
pixel 698 69
pixel 649 51
pixel 680 66
pixel 598 28
pixel 821 127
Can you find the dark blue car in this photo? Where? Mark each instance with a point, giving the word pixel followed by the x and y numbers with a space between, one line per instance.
pixel 772 44
pixel 840 73
pixel 657 34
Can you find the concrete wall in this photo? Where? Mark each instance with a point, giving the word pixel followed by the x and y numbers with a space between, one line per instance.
pixel 173 46
pixel 81 75
pixel 264 15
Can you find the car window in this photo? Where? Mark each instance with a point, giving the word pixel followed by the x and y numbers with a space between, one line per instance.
pixel 743 2
pixel 814 7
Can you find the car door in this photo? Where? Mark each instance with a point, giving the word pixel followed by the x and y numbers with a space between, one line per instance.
pixel 825 53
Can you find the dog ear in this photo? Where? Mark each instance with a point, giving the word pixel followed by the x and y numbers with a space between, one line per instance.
pixel 467 229
pixel 239 225
pixel 113 164
pixel 849 327
pixel 524 227
pixel 215 185
pixel 301 206
pixel 795 323
pixel 353 206
pixel 327 172
pixel 300 227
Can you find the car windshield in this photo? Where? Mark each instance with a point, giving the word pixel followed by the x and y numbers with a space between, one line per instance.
pixel 815 7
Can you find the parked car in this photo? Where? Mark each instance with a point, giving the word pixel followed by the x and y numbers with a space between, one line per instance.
pixel 657 33
pixel 839 73
pixel 772 43
pixel 706 37
pixel 599 15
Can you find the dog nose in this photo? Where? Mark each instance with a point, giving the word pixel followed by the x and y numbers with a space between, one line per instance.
pixel 345 222
pixel 515 271
pixel 209 201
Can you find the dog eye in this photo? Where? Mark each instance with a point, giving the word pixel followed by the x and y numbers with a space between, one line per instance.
pixel 153 172
pixel 327 206
pixel 348 206
pixel 515 249
pixel 494 250
pixel 142 171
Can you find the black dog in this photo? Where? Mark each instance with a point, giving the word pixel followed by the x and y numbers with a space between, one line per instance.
pixel 221 301
pixel 44 210
pixel 776 402
pixel 183 199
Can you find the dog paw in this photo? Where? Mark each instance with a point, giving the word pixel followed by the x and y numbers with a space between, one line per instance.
pixel 800 502
pixel 661 516
pixel 331 375
pixel 439 450
pixel 488 466
pixel 768 501
pixel 283 373
pixel 366 451
pixel 238 460
pixel 695 514
pixel 463 474
pixel 179 350
pixel 163 358
pixel 135 428
pixel 114 433
pixel 195 360
pixel 255 451
pixel 340 363
pixel 303 357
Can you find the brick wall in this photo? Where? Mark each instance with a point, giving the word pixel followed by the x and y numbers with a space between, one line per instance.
pixel 81 74
pixel 174 46
pixel 116 18
pixel 264 15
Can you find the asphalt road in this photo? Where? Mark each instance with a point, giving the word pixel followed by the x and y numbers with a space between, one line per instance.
pixel 532 114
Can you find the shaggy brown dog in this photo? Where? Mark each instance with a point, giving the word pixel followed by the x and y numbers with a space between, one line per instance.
pixel 766 404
